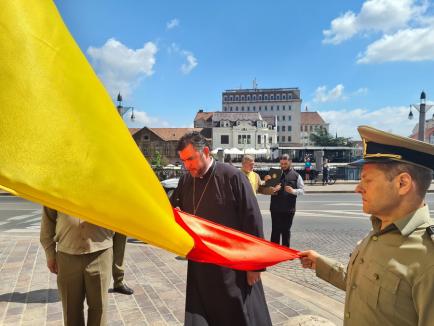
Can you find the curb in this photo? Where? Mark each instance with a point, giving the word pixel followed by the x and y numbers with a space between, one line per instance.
pixel 319 303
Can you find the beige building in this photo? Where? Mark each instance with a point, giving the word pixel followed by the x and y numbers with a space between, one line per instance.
pixel 283 104
pixel 429 131
pixel 311 122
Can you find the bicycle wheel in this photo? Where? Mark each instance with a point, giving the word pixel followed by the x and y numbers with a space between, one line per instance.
pixel 331 180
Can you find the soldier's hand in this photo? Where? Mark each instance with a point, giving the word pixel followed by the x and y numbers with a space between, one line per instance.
pixel 308 259
pixel 52 265
pixel 267 177
pixel 289 189
pixel 253 277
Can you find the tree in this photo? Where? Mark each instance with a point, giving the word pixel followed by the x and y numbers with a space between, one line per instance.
pixel 323 138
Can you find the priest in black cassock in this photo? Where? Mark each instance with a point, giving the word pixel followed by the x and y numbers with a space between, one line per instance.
pixel 220 193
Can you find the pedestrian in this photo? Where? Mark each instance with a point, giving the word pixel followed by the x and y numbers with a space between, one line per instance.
pixel 325 173
pixel 307 168
pixel 283 201
pixel 118 267
pixel 247 165
pixel 389 279
pixel 82 262
pixel 220 193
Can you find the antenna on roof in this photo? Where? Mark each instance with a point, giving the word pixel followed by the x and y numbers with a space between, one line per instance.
pixel 306 109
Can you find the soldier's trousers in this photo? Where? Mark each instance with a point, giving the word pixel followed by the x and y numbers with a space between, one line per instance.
pixel 82 277
pixel 118 269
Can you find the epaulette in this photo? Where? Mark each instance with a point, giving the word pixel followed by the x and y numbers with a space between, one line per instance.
pixel 430 231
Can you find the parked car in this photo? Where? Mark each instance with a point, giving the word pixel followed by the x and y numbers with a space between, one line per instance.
pixel 170 185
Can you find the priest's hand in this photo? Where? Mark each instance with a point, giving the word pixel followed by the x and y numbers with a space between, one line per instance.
pixel 308 259
pixel 253 277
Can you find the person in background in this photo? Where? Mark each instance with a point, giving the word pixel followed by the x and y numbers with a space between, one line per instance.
pixel 325 172
pixel 307 168
pixel 247 165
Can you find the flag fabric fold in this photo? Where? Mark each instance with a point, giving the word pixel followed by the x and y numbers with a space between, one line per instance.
pixel 63 145
pixel 220 245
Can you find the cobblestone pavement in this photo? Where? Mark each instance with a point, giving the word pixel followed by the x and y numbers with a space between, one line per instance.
pixel 28 292
pixel 331 243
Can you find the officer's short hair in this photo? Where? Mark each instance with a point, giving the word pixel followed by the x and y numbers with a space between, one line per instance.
pixel 421 176
pixel 194 138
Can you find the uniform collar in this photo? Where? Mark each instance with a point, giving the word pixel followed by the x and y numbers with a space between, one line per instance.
pixel 407 224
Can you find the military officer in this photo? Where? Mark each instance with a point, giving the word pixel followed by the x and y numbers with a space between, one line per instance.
pixel 390 277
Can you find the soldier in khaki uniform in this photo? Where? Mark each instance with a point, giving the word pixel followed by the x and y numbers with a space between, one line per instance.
pixel 390 277
pixel 118 268
pixel 82 261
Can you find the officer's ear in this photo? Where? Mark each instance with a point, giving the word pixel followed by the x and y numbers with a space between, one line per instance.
pixel 405 183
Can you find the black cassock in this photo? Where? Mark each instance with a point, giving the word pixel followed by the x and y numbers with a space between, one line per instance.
pixel 218 295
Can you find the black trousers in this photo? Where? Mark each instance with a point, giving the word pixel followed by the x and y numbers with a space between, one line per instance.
pixel 281 223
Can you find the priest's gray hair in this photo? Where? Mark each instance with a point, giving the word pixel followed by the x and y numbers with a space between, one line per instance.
pixel 194 138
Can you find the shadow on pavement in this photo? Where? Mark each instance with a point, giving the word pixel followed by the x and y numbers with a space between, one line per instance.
pixel 36 296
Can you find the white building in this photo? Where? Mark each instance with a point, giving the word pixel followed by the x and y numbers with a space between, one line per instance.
pixel 283 104
pixel 429 131
pixel 248 130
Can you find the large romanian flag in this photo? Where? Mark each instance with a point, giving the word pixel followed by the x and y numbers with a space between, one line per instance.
pixel 63 145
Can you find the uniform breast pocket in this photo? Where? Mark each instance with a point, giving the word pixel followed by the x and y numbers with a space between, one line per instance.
pixel 381 288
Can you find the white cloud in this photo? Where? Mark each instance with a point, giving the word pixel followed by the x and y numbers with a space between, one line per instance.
pixel 322 95
pixel 405 30
pixel 191 63
pixel 173 23
pixel 121 68
pixel 191 60
pixel 405 45
pixel 374 16
pixel 391 119
pixel 143 119
pixel 361 91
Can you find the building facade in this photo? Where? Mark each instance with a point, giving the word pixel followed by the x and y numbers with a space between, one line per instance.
pixel 311 122
pixel 161 140
pixel 429 131
pixel 283 104
pixel 248 130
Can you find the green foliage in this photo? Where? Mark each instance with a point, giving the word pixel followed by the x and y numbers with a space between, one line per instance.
pixel 323 138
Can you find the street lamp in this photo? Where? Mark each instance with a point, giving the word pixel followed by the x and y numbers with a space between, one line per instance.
pixel 422 108
pixel 124 109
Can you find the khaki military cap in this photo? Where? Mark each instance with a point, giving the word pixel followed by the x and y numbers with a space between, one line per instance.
pixel 383 147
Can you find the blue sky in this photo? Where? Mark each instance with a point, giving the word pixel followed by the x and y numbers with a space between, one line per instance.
pixel 356 62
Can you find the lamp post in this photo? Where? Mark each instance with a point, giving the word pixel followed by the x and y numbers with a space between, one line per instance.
pixel 422 108
pixel 124 109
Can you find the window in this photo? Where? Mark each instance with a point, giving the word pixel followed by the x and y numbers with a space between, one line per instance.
pixel 225 98
pixel 271 108
pixel 289 107
pixel 260 97
pixel 146 137
pixel 225 109
pixel 236 108
pixel 237 98
pixel 305 128
pixel 145 151
pixel 265 97
pixel 283 138
pixel 289 118
pixel 231 98
pixel 259 139
pixel 254 108
pixel 265 108
pixel 283 118
pixel 277 108
pixel 283 128
pixel 284 97
pixel 224 139
pixel 278 129
pixel 289 128
pixel 240 139
pixel 277 138
pixel 289 96
pixel 278 118
pixel 271 97
pixel 242 108
pixel 283 108
pixel 277 97
pixel 248 108
pixel 289 138
pixel 301 128
pixel 248 97
pixel 248 139
pixel 260 108
pixel 270 140
pixel 242 97
pixel 310 128
pixel 231 108
pixel 254 97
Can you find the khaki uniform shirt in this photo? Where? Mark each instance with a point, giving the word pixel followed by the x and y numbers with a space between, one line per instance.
pixel 73 236
pixel 389 279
